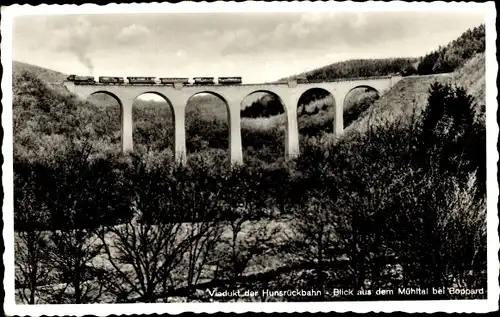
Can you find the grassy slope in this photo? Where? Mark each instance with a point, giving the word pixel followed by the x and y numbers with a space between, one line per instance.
pixel 408 93
pixel 472 77
pixel 53 78
pixel 47 75
pixel 412 92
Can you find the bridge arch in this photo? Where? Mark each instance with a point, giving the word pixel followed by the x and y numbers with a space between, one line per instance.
pixel 113 128
pixel 357 100
pixel 207 123
pixel 263 125
pixel 215 94
pixel 316 111
pixel 363 86
pixel 108 93
pixel 153 121
pixel 157 93
pixel 268 92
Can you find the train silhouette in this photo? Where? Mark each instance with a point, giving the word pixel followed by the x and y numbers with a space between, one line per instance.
pixel 153 81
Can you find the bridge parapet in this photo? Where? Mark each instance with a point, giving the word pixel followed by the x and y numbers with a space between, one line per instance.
pixel 335 80
pixel 289 83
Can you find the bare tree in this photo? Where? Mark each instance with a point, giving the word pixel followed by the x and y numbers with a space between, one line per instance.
pixel 81 193
pixel 317 239
pixel 77 279
pixel 249 231
pixel 30 260
pixel 30 241
pixel 162 251
pixel 142 256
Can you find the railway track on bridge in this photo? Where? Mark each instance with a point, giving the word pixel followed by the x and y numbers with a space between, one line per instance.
pixel 279 83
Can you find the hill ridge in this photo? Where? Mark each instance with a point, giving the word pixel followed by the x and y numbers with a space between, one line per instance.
pixel 444 59
pixel 46 74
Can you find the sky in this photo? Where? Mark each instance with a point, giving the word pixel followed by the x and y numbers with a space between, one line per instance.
pixel 259 47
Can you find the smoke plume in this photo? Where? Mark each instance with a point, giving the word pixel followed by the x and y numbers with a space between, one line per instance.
pixel 83 57
pixel 77 39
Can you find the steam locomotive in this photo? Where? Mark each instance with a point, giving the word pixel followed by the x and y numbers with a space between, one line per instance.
pixel 81 79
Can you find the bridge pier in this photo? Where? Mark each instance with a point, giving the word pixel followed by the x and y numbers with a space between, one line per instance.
pixel 292 132
pixel 235 146
pixel 127 126
pixel 179 134
pixel 338 121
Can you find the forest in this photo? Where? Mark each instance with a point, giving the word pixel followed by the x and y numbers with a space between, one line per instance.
pixel 448 58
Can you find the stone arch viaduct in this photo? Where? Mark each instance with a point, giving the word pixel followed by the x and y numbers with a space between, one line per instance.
pixel 232 95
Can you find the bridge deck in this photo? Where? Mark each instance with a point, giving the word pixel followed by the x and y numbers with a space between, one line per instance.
pixel 279 83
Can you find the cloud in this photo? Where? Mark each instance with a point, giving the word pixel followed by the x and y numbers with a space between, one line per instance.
pixel 316 31
pixel 310 31
pixel 180 53
pixel 132 33
pixel 261 46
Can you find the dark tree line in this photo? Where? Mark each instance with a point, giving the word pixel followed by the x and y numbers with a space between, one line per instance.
pixel 361 68
pixel 267 106
pixel 448 58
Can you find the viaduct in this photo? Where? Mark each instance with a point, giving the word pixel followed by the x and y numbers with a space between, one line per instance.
pixel 177 97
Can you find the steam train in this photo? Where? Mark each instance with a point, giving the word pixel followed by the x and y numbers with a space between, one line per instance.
pixel 110 80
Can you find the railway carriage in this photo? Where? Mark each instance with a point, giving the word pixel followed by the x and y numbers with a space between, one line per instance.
pixel 111 80
pixel 142 80
pixel 174 80
pixel 203 80
pixel 229 80
pixel 302 80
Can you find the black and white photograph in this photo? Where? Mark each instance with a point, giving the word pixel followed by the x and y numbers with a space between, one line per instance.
pixel 235 157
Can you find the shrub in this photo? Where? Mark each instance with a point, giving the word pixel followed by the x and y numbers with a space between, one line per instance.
pixel 153 127
pixel 73 190
pixel 449 126
pixel 267 106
